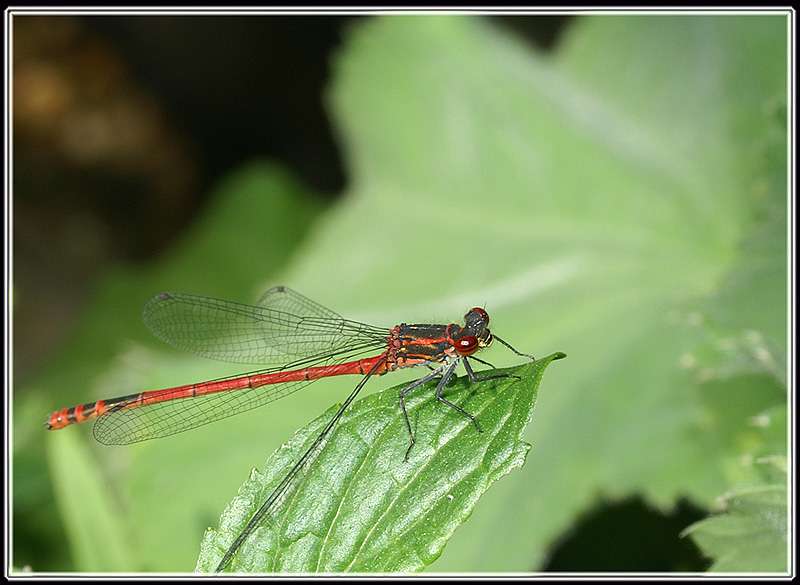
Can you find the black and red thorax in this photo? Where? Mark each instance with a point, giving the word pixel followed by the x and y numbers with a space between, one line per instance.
pixel 420 343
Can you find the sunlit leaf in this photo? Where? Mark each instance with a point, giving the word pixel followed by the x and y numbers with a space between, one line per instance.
pixel 360 506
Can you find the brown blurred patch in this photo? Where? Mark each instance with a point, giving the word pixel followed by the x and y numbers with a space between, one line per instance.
pixel 99 175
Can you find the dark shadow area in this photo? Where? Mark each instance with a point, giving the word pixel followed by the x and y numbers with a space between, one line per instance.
pixel 629 536
pixel 240 86
pixel 245 86
pixel 540 32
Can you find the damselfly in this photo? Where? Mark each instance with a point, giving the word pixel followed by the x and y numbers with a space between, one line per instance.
pixel 300 341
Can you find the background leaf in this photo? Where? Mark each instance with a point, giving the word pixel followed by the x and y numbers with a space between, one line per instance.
pixel 618 201
pixel 750 535
pixel 359 506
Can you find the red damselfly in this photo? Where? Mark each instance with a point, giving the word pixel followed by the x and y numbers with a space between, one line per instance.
pixel 301 341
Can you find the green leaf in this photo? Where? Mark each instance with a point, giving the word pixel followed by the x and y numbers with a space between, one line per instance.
pixel 749 535
pixel 96 534
pixel 359 506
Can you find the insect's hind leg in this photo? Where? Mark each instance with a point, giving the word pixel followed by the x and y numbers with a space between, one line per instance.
pixel 440 389
pixel 404 392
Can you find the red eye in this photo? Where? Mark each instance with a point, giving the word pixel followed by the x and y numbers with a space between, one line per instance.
pixel 484 315
pixel 467 345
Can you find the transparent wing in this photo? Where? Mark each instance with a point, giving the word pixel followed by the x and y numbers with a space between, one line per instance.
pixel 283 327
pixel 282 298
pixel 131 422
pixel 152 421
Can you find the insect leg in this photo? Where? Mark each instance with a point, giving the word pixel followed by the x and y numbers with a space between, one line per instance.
pixel 473 377
pixel 403 393
pixel 440 389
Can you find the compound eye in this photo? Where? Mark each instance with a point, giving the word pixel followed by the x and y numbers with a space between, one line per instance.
pixel 483 314
pixel 467 345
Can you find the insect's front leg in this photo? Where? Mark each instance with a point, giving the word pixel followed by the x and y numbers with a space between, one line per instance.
pixel 484 362
pixel 440 390
pixel 473 377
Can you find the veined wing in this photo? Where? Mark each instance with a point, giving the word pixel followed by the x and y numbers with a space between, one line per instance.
pixel 159 413
pixel 284 327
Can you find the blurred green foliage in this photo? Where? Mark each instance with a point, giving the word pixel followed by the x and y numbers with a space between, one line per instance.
pixel 623 201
